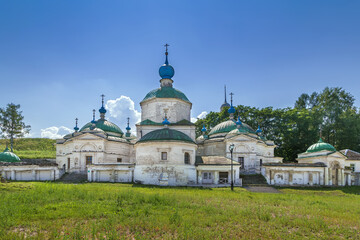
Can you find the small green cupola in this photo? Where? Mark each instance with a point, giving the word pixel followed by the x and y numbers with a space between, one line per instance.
pixel 321 146
pixel 8 156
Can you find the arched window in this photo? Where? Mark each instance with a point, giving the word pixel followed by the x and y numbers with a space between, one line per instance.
pixel 187 158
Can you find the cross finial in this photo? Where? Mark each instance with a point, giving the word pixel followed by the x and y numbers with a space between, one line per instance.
pixel 102 99
pixel 231 95
pixel 94 114
pixel 128 119
pixel 76 121
pixel 166 47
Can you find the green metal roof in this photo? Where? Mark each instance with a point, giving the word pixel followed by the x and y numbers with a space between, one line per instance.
pixel 181 122
pixel 230 125
pixel 320 146
pixel 166 92
pixel 166 134
pixel 8 156
pixel 104 125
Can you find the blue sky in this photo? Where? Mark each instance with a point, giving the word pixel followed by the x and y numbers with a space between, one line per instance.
pixel 58 57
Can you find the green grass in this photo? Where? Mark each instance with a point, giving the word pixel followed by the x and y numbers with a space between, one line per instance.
pixel 125 211
pixel 30 148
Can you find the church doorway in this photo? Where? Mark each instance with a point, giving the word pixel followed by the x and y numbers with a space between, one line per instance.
pixel 207 177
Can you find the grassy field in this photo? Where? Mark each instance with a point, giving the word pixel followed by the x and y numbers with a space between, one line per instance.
pixel 39 148
pixel 124 211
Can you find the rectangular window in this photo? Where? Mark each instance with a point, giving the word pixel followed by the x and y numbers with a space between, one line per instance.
pixel 352 167
pixel 119 159
pixel 164 156
pixel 88 160
pixel 241 161
pixel 68 163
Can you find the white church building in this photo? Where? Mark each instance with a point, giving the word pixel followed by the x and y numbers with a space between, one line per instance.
pixel 165 150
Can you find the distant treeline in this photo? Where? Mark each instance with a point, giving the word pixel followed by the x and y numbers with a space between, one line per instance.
pixel 331 112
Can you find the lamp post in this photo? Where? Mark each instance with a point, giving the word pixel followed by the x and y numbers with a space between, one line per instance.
pixel 231 148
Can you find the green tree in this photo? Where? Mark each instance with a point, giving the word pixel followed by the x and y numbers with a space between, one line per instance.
pixel 11 123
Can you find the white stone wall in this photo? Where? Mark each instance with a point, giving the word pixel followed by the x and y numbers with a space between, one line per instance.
pixel 176 109
pixel 150 168
pixel 294 176
pixel 30 173
pixel 110 173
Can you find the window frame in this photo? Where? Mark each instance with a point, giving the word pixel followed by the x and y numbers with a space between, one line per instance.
pixel 163 156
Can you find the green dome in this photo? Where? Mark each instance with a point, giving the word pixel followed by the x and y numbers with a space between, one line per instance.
pixel 166 134
pixel 104 125
pixel 320 146
pixel 8 156
pixel 166 92
pixel 230 125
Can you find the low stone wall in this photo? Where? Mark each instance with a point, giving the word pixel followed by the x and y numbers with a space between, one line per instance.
pixel 111 173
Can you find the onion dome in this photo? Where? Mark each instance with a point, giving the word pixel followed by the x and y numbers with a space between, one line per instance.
pixel 228 126
pixel 203 128
pixel 104 125
pixel 102 110
pixel 238 122
pixel 321 146
pixel 259 130
pixel 8 156
pixel 166 71
pixel 166 121
pixel 231 110
pixel 166 134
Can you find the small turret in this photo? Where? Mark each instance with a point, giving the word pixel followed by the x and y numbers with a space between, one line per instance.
pixel 166 71
pixel 238 123
pixel 102 110
pixel 128 134
pixel 259 131
pixel 166 122
pixel 231 110
pixel 76 128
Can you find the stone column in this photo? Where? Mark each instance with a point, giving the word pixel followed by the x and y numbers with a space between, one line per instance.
pixel 342 177
pixel 199 177
pixel 311 180
pixel 33 172
pixel 13 175
pixel 216 177
pixel 95 177
pixel 290 178
pixel 330 177
pixel 89 175
pixel 339 177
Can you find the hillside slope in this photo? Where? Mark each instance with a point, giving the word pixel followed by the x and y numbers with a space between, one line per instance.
pixel 39 148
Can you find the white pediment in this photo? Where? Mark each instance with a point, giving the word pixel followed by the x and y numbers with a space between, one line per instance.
pixel 87 136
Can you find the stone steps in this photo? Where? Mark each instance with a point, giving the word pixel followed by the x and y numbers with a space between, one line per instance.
pixel 253 180
pixel 73 178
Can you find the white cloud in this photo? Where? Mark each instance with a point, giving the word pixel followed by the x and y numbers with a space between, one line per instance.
pixel 55 132
pixel 200 116
pixel 122 108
